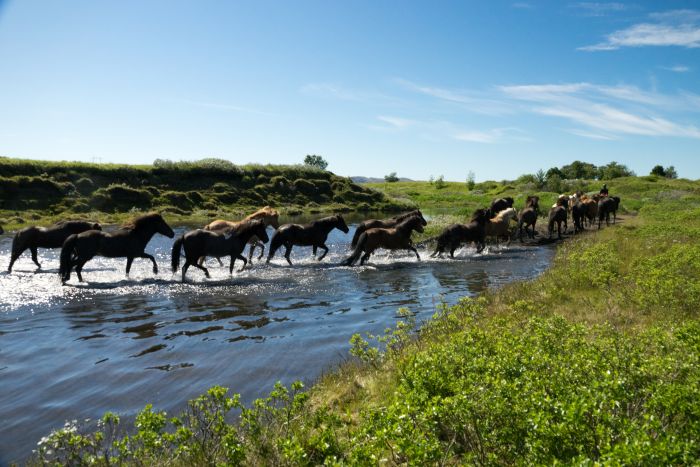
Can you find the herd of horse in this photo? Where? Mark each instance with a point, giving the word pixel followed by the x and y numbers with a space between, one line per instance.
pixel 80 241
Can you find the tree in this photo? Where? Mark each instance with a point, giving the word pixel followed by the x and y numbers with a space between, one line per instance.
pixel 658 171
pixel 613 170
pixel 315 161
pixel 671 172
pixel 470 181
pixel 578 169
pixel 541 178
pixel 554 171
pixel 391 178
pixel 440 182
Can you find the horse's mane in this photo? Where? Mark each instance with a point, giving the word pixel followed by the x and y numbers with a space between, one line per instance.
pixel 140 221
pixel 406 215
pixel 532 201
pixel 499 217
pixel 407 220
pixel 262 213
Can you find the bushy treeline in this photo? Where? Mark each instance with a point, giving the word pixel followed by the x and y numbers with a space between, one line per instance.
pixel 595 362
pixel 180 187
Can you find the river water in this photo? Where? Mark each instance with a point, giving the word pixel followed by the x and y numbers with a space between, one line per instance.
pixel 115 343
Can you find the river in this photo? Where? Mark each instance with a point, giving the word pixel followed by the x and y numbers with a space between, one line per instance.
pixel 115 343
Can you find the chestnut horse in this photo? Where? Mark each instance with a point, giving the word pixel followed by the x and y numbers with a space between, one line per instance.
pixel 46 237
pixel 394 238
pixel 198 243
pixel 384 224
pixel 456 234
pixel 129 241
pixel 528 216
pixel 267 214
pixel 557 215
pixel 313 234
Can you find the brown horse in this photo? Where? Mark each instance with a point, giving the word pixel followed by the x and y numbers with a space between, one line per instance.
pixel 528 216
pixel 606 206
pixel 578 214
pixel 557 215
pixel 499 204
pixel 456 234
pixel 384 224
pixel 129 241
pixel 591 207
pixel 499 226
pixel 198 243
pixel 267 214
pixel 313 234
pixel 46 237
pixel 396 238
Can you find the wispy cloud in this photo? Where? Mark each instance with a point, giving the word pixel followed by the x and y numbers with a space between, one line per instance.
pixel 396 122
pixel 340 92
pixel 436 130
pixel 523 5
pixel 490 136
pixel 677 68
pixel 598 8
pixel 679 28
pixel 220 106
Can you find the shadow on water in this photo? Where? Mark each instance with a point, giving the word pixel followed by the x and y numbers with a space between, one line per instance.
pixel 79 350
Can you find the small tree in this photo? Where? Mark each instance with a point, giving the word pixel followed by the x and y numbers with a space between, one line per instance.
pixel 670 172
pixel 541 178
pixel 470 181
pixel 315 161
pixel 440 182
pixel 614 170
pixel 391 178
pixel 658 171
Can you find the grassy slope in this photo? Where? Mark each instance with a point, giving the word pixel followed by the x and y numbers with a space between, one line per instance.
pixel 186 191
pixel 596 360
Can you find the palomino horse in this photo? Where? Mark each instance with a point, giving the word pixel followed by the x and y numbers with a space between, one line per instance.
pixel 528 216
pixel 396 238
pixel 456 234
pixel 384 224
pixel 499 204
pixel 198 243
pixel 606 206
pixel 313 234
pixel 267 214
pixel 129 241
pixel 557 215
pixel 499 226
pixel 46 237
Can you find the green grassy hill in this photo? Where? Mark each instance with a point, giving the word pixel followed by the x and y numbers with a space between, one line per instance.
pixel 203 189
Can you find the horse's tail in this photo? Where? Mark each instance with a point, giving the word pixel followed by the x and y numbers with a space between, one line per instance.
pixel 67 250
pixel 358 231
pixel 275 243
pixel 357 252
pixel 175 255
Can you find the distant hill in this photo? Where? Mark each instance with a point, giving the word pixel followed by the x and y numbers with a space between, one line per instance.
pixel 360 179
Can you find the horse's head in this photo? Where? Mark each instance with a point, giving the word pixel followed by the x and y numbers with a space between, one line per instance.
pixel 419 215
pixel 415 223
pixel 260 229
pixel 96 226
pixel 273 220
pixel 340 224
pixel 162 227
pixel 480 216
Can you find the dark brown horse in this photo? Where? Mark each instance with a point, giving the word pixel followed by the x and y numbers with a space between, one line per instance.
pixel 557 215
pixel 129 241
pixel 499 204
pixel 456 234
pixel 198 243
pixel 606 206
pixel 46 237
pixel 384 224
pixel 578 213
pixel 528 216
pixel 396 238
pixel 313 234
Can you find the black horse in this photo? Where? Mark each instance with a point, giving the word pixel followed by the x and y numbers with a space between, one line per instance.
pixel 528 216
pixel 313 234
pixel 392 238
pixel 456 234
pixel 384 224
pixel 199 243
pixel 46 237
pixel 129 241
pixel 557 215
pixel 578 213
pixel 499 204
pixel 606 206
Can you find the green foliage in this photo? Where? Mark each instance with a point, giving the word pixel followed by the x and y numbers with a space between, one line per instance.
pixel 440 182
pixel 315 161
pixel 470 181
pixel 391 178
pixel 120 197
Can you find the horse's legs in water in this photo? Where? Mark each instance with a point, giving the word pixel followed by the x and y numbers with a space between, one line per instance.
pixel 153 260
pixel 287 252
pixel 323 245
pixel 80 262
pixel 365 257
pixel 206 271
pixel 129 260
pixel 413 249
pixel 36 261
pixel 184 270
pixel 233 260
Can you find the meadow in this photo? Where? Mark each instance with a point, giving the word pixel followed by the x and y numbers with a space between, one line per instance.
pixel 597 361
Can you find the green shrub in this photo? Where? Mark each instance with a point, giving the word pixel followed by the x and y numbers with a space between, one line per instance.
pixel 120 198
pixel 85 186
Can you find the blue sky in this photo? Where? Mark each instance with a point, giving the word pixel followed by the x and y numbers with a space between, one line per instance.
pixel 420 88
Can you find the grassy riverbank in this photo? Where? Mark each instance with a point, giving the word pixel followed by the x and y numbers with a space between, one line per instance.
pixel 41 192
pixel 597 360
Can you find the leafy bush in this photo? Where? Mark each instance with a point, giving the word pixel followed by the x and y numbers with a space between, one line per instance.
pixel 85 186
pixel 120 197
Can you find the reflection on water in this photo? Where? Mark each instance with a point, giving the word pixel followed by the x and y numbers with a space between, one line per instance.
pixel 117 343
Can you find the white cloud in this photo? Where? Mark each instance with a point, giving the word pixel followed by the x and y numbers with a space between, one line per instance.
pixel 467 100
pixel 677 68
pixel 396 122
pixel 598 8
pixel 523 5
pixel 679 28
